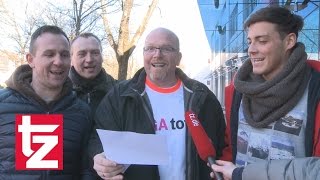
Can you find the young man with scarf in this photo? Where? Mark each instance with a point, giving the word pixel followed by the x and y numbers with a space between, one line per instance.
pixel 89 78
pixel 272 110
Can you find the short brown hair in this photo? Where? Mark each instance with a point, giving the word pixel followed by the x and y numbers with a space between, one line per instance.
pixel 45 29
pixel 285 21
pixel 87 35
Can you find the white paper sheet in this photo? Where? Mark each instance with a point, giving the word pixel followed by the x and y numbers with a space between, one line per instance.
pixel 134 148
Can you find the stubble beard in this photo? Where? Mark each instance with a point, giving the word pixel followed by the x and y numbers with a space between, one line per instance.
pixel 157 76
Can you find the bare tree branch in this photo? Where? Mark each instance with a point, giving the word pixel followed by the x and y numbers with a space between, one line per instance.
pixel 110 37
pixel 20 32
pixel 80 16
pixel 144 22
pixel 124 46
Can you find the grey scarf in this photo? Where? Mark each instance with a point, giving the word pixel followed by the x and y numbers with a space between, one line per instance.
pixel 267 101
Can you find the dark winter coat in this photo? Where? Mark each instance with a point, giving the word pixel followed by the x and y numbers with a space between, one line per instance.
pixel 20 98
pixel 92 91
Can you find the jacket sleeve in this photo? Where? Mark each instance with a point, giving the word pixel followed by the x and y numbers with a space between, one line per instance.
pixel 299 168
pixel 87 172
pixel 105 118
pixel 227 151
pixel 212 118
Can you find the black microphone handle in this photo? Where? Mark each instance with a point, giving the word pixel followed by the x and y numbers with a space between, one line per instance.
pixel 212 160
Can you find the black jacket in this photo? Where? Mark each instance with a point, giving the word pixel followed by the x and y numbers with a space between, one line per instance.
pixel 92 91
pixel 19 98
pixel 127 108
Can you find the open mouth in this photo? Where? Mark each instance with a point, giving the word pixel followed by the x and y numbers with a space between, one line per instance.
pixel 57 72
pixel 89 67
pixel 256 60
pixel 158 64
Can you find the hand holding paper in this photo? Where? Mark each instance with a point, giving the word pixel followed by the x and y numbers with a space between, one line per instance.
pixel 106 168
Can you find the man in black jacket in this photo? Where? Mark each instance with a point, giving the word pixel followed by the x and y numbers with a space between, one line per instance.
pixel 89 78
pixel 154 101
pixel 42 87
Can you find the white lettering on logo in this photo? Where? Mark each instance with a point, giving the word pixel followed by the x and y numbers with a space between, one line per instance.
pixel 194 120
pixel 49 142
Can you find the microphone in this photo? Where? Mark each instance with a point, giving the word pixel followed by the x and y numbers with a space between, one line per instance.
pixel 201 140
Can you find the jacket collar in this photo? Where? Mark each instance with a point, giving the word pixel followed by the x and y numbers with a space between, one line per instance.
pixel 194 91
pixel 99 83
pixel 137 83
pixel 314 64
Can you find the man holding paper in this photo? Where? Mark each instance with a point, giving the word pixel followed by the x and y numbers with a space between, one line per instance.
pixel 154 101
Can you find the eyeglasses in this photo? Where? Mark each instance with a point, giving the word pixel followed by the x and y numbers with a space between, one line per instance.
pixel 164 49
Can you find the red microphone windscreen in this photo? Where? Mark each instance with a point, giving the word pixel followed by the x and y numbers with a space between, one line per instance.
pixel 199 136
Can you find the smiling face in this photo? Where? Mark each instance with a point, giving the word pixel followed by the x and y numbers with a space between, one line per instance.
pixel 50 61
pixel 86 57
pixel 267 50
pixel 161 56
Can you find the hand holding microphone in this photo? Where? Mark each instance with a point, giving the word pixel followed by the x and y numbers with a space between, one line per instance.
pixel 201 140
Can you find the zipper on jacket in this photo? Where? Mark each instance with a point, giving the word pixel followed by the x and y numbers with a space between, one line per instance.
pixel 148 111
pixel 189 106
pixel 88 98
pixel 316 144
pixel 147 107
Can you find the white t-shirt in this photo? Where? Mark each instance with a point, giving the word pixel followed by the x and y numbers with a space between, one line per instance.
pixel 168 110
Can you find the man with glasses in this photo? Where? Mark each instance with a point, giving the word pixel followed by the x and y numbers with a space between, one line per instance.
pixel 154 101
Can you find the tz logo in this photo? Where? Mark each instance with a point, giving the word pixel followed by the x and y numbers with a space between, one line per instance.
pixel 39 143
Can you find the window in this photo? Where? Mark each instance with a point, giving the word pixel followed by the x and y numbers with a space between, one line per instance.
pixel 249 6
pixel 233 26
